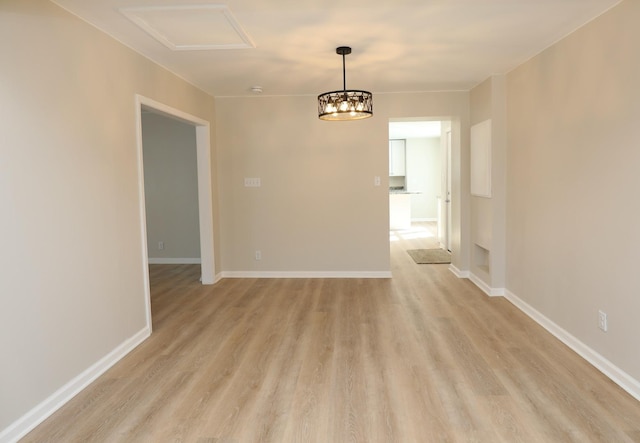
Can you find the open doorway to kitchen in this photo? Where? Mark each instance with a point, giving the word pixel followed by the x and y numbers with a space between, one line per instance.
pixel 419 183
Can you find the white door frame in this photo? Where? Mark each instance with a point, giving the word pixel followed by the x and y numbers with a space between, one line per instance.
pixel 444 201
pixel 447 191
pixel 205 200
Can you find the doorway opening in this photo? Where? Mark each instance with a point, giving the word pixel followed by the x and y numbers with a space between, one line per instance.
pixel 204 198
pixel 420 183
pixel 171 190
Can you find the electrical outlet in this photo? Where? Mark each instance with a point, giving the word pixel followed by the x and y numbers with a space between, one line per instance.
pixel 376 180
pixel 258 255
pixel 160 245
pixel 602 321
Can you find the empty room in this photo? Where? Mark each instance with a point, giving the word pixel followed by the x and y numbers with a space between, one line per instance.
pixel 209 228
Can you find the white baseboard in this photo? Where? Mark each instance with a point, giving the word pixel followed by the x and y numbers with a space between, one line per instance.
pixel 458 273
pixel 617 375
pixel 305 274
pixel 491 292
pixel 424 219
pixel 41 412
pixel 174 261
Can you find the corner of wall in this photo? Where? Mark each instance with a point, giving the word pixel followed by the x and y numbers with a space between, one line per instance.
pixel 55 401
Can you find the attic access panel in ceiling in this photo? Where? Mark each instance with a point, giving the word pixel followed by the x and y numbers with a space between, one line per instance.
pixel 191 27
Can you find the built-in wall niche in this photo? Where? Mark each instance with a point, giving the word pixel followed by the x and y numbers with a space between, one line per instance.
pixel 481 159
pixel 481 258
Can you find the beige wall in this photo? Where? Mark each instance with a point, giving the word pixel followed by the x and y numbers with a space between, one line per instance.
pixel 499 255
pixel 481 210
pixel 573 214
pixel 318 209
pixel 488 221
pixel 170 187
pixel 72 280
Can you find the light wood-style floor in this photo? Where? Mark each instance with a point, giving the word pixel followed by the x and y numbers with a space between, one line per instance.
pixel 424 357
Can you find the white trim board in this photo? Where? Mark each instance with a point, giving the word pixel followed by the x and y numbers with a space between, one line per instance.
pixel 617 375
pixel 55 401
pixel 491 292
pixel 174 261
pixel 458 273
pixel 205 199
pixel 305 274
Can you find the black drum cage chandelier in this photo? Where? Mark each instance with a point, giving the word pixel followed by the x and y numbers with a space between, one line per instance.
pixel 347 104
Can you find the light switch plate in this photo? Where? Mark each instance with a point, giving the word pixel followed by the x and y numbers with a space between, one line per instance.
pixel 252 182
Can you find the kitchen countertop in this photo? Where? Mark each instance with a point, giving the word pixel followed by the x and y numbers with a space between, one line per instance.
pixel 394 191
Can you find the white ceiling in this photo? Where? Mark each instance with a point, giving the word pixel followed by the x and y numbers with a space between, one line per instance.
pixel 398 46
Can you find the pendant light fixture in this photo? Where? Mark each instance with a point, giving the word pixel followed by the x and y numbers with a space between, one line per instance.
pixel 348 104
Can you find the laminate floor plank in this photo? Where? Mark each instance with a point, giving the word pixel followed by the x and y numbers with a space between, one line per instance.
pixel 422 357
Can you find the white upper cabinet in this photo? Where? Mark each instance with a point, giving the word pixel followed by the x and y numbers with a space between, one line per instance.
pixel 397 158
